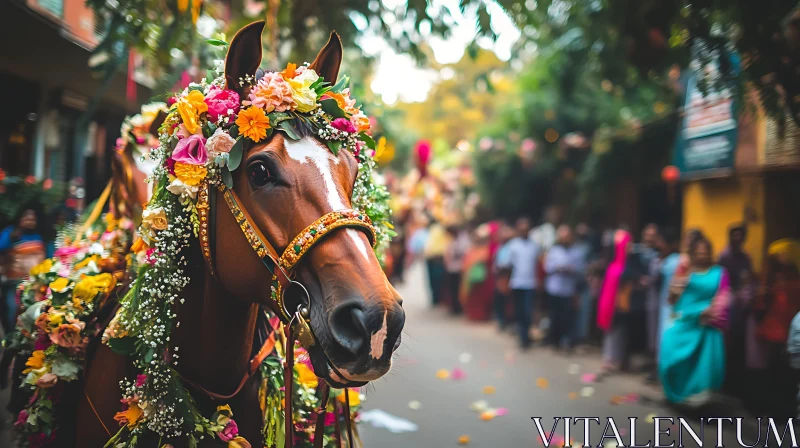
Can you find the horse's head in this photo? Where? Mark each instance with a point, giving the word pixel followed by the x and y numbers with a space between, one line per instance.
pixel 285 185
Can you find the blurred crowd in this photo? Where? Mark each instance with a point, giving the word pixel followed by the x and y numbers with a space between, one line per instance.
pixel 658 304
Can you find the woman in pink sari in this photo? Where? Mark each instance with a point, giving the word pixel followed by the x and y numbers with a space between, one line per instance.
pixel 612 343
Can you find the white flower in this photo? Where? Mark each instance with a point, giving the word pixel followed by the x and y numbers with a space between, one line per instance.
pixel 179 188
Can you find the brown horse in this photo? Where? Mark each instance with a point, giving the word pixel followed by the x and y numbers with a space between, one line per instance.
pixel 284 185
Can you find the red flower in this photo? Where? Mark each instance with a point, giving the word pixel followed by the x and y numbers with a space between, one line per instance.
pixel 22 418
pixel 42 342
pixel 220 101
pixel 140 380
pixel 171 166
pixel 344 125
pixel 30 179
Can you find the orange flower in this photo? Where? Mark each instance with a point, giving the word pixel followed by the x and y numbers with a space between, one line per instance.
pixel 138 246
pixel 290 71
pixel 361 121
pixel 131 415
pixel 355 398
pixel 190 174
pixel 36 361
pixel 253 124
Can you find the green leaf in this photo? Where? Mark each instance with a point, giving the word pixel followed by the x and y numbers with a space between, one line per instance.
pixel 234 131
pixel 334 146
pixel 342 84
pixel 331 107
pixel 227 178
pixel 149 355
pixel 235 154
pixel 367 139
pixel 277 117
pixel 124 346
pixel 217 42
pixel 288 128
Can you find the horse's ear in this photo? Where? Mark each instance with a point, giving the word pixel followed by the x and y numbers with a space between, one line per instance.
pixel 244 54
pixel 329 59
pixel 157 122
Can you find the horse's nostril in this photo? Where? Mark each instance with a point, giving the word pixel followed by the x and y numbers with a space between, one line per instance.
pixel 348 328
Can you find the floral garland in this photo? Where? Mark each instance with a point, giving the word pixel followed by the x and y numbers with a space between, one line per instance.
pixel 57 300
pixel 202 140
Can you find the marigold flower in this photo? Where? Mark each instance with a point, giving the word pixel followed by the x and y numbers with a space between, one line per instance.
pixel 85 262
pixel 138 246
pixel 355 397
pixel 253 124
pixel 36 361
pixel 290 71
pixel 190 175
pixel 60 284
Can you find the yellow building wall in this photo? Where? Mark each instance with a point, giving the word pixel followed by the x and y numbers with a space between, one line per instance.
pixel 713 205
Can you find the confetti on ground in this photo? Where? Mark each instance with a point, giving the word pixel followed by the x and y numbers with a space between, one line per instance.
pixel 500 412
pixel 572 395
pixel 463 440
pixel 631 398
pixel 465 358
pixel 511 357
pixel 488 415
pixel 484 364
pixel 542 383
pixel 479 406
pixel 457 374
pixel 573 369
pixel 587 378
pixel 489 390
pixel 587 391
pixel 650 418
pixel 382 419
pixel 616 399
pixel 499 374
pixel 414 405
pixel 443 374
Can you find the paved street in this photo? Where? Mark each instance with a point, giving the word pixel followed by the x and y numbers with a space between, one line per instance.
pixel 433 340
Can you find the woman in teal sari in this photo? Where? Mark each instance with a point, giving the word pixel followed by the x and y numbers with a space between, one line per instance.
pixel 692 355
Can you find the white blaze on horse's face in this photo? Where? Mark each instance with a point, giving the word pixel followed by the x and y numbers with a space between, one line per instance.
pixel 310 150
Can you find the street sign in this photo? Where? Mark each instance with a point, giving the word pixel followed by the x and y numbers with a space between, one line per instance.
pixel 706 142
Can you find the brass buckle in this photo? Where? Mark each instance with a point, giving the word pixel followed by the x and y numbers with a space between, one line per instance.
pixel 300 318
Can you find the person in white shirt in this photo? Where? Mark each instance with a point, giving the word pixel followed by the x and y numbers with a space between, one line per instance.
pixel 563 265
pixel 522 253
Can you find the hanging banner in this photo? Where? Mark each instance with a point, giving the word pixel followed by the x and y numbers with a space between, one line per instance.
pixel 706 142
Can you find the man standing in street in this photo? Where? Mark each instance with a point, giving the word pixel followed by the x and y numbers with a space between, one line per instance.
pixel 563 265
pixel 522 254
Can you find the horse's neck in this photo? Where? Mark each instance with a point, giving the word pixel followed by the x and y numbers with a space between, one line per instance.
pixel 215 335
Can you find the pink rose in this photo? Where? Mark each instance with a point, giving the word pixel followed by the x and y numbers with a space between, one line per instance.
pixel 191 150
pixel 230 431
pixel 219 101
pixel 47 380
pixel 220 142
pixel 22 418
pixel 141 379
pixel 344 125
pixel 65 252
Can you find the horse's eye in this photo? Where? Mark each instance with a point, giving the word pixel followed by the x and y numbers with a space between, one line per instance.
pixel 258 174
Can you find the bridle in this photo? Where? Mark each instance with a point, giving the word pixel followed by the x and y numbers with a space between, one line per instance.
pixel 283 270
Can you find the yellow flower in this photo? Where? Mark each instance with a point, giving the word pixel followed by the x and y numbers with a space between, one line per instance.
pixel 129 416
pixel 60 284
pixel 306 376
pixel 190 107
pixel 105 282
pixel 155 218
pixel 355 398
pixel 36 361
pixel 190 174
pixel 85 291
pixel 302 94
pixel 253 124
pixel 238 442
pixel 42 268
pixel 85 262
pixel 183 5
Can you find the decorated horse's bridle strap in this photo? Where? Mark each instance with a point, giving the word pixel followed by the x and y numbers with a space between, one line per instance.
pixel 321 227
